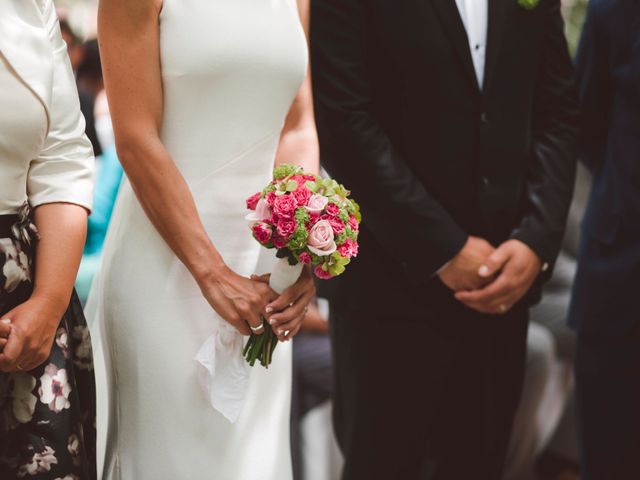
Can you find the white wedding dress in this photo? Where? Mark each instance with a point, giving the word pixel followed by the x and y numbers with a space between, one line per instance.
pixel 230 70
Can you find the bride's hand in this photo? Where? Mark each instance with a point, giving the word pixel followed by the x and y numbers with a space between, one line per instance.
pixel 239 300
pixel 286 313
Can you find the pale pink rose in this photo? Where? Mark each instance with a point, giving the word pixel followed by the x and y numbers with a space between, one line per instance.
pixel 333 209
pixel 321 239
pixel 322 274
pixel 262 232
pixel 305 258
pixel 302 194
pixel 337 224
pixel 284 206
pixel 263 211
pixel 286 227
pixel 348 249
pixel 317 203
pixel 252 201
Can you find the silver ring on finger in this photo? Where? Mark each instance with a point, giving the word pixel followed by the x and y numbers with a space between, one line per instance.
pixel 258 329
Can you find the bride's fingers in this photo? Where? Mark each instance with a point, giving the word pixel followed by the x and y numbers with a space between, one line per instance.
pixel 292 333
pixel 256 325
pixel 3 342
pixel 291 313
pixel 261 278
pixel 290 326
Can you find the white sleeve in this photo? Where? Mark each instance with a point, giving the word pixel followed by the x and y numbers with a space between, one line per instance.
pixel 63 172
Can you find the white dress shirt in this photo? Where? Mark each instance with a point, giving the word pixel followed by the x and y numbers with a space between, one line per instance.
pixel 474 15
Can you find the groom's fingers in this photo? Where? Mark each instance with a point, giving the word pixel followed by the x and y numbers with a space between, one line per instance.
pixel 495 262
pixel 500 287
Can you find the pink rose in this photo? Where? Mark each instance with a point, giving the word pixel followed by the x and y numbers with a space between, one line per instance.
pixel 262 232
pixel 353 223
pixel 333 209
pixel 305 258
pixel 286 227
pixel 317 203
pixel 348 249
pixel 285 205
pixel 322 274
pixel 302 195
pixel 321 239
pixel 270 198
pixel 252 201
pixel 313 219
pixel 280 242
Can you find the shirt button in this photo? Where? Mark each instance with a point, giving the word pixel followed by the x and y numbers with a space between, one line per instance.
pixel 483 118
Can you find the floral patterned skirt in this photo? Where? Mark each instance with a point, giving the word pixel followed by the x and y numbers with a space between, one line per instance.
pixel 47 415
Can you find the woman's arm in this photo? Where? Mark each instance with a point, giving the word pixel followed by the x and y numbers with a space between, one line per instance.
pixel 59 187
pixel 129 42
pixel 62 228
pixel 299 140
pixel 298 146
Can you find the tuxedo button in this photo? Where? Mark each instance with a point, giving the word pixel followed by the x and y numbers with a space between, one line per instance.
pixel 483 118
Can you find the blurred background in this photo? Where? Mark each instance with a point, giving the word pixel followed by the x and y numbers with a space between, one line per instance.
pixel 543 445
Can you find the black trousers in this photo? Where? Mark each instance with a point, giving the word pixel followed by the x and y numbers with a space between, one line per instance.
pixel 430 397
pixel 608 401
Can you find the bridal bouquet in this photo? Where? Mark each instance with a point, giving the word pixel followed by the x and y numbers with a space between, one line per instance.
pixel 310 221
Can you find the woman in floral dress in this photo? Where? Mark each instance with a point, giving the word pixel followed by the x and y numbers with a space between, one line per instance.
pixel 47 396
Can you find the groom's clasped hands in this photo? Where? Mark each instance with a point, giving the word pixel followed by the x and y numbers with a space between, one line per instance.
pixel 488 279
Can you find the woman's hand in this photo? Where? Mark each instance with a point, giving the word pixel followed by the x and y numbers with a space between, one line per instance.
pixel 240 301
pixel 5 331
pixel 291 307
pixel 33 326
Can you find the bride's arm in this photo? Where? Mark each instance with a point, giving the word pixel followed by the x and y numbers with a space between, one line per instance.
pixel 298 146
pixel 299 140
pixel 130 51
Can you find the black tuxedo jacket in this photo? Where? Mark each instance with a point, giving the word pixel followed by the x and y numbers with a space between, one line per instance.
pixel 608 62
pixel 429 156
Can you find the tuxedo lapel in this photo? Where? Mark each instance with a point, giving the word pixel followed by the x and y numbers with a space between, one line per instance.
pixel 25 45
pixel 447 12
pixel 497 18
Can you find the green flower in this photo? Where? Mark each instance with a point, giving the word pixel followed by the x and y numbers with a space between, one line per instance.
pixel 528 4
pixel 283 171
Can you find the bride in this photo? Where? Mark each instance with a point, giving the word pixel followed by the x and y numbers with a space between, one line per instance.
pixel 205 95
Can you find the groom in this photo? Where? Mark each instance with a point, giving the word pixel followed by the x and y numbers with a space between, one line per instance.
pixel 454 123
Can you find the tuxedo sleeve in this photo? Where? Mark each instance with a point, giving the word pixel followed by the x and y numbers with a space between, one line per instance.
pixel 396 207
pixel 592 65
pixel 552 161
